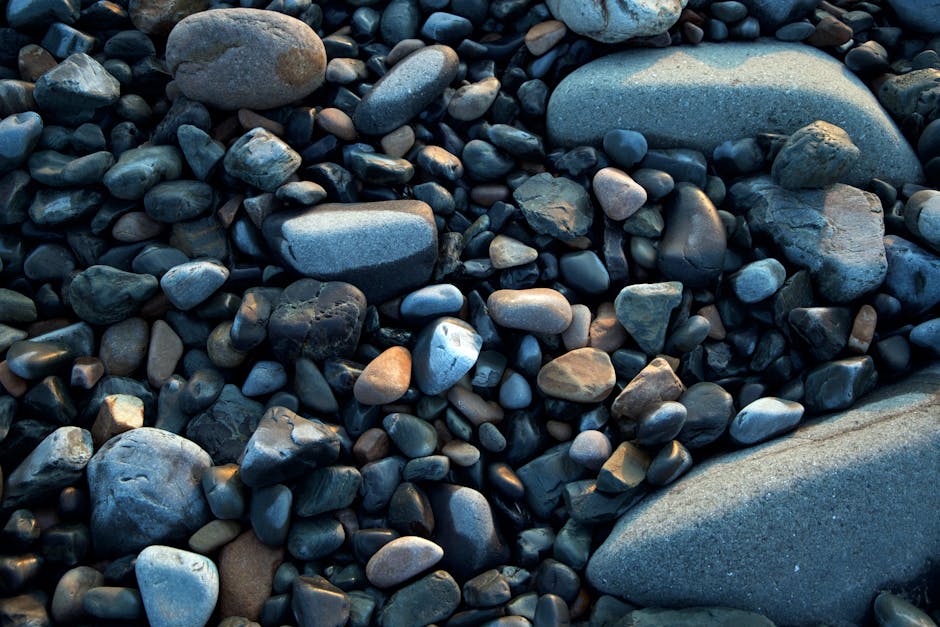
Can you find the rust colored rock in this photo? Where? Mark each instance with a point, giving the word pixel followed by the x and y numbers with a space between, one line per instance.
pixel 246 569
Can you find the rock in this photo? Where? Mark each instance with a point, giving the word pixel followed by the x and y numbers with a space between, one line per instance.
pixel 401 559
pixel 536 310
pixel 75 89
pixel 815 156
pixel 177 587
pixel 693 617
pixel 326 489
pixel 315 538
pixel 763 419
pixel 220 57
pixel 406 90
pixel 591 449
pixel 72 586
pixel 913 275
pixel 709 409
pixel 773 14
pixel 446 350
pixel 284 446
pixel 922 216
pixel 214 535
pixel 396 244
pixel 624 470
pixel 543 36
pixel 118 413
pixel 428 600
pixel 144 487
pixel 317 602
pixel 177 201
pixel 105 295
pixel 893 611
pixel 758 280
pixel 584 375
pixel 431 301
pixel 544 478
pixel 919 16
pixel 618 194
pixel 507 252
pixel 465 529
pixel 657 382
pixel 693 246
pixel 835 233
pixel 612 22
pixel 57 462
pixel 413 436
pixel 261 159
pixel 22 14
pixel 224 428
pixel 33 360
pixel 839 384
pixel 246 573
pixel 876 457
pixel 751 88
pixel 139 169
pixel 555 206
pixel 19 134
pixel 644 310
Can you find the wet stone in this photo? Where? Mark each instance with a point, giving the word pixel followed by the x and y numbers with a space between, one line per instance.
pixel 839 384
pixel 74 90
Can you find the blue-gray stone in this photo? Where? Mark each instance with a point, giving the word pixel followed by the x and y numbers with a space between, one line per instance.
pixel 446 350
pixel 225 427
pixel 763 419
pixel 177 587
pixel 57 462
pixel 555 206
pixel 265 377
pixel 29 14
pixel 913 275
pixel 52 207
pixel 644 310
pixel 261 159
pixel 74 90
pixel 431 302
pixel 201 151
pixel 105 295
pixel 839 384
pixel 19 134
pixel 315 538
pixel 139 169
pixel 190 284
pixel 758 280
pixel 465 528
pixel 176 201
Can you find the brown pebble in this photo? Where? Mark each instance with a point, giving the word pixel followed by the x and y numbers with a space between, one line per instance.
pixel 402 49
pixel 461 453
pixel 336 122
pixel 372 445
pixel 606 332
pixel 220 349
pixel 585 375
pixel 657 382
pixel 489 194
pixel 164 352
pixel 717 329
pixel 474 407
pixel 124 346
pixel 830 32
pixel 385 379
pixel 226 213
pixel 86 372
pixel 543 36
pixel 398 142
pixel 561 431
pixel 118 413
pixel 135 226
pixel 33 61
pixel 618 194
pixel 15 386
pixel 249 120
pixel 246 575
pixel 863 330
pixel 576 335
pixel 507 252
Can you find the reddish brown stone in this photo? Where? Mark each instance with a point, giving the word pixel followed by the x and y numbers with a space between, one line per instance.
pixel 246 573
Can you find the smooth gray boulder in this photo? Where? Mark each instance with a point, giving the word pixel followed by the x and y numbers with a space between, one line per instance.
pixel 700 96
pixel 804 529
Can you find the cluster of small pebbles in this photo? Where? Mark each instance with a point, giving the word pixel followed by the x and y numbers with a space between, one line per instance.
pixel 304 320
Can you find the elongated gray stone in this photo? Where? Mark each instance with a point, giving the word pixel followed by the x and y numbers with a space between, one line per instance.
pixel 698 97
pixel 849 499
pixel 383 248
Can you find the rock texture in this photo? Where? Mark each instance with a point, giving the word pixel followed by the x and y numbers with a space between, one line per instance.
pixel 612 22
pixel 761 529
pixel 750 88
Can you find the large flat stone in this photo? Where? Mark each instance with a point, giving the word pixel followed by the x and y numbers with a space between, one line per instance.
pixel 805 529
pixel 700 96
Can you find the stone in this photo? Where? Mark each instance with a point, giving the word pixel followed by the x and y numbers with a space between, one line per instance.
pixel 144 487
pixel 202 153
pixel 315 538
pixel 465 529
pixel 758 280
pixel 19 134
pixel 535 310
pixel 839 384
pixel 72 586
pixel 751 88
pixel 395 243
pixel 507 252
pixel 613 22
pixel 591 449
pixel 33 360
pixel 764 419
pixel 624 470
pixel 920 16
pixel 176 201
pixel 118 413
pixel 157 17
pixel 105 295
pixel 22 14
pixel 406 90
pixel 913 275
pixel 544 36
pixel 190 284
pixel 657 382
pixel 177 587
pixel 815 156
pixel 643 309
pixel 544 478
pixel 75 89
pixel 877 457
pixel 584 375
pixel 446 350
pixel 214 535
pixel 316 320
pixel 693 617
pixel 893 611
pixel 56 462
pixel 269 513
pixel 317 602
pixel 220 57
pixel 326 489
pixel 246 575
pixel 413 436
pixel 555 206
pixel 261 159
pixel 426 601
pixel 286 445
pixel 709 409
pixel 401 559
pixel 693 246
pixel 617 193
pixel 137 170
pixel 835 233
pixel 773 14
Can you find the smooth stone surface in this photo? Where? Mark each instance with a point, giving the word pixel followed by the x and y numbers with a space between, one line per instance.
pixel 410 85
pixel 839 384
pixel 678 547
pixel 220 58
pixel 144 487
pixel 693 246
pixel 913 275
pixel 75 89
pixel 177 587
pixel 758 280
pixel 424 602
pixel 246 572
pixel 836 233
pixel 815 156
pixel 58 461
pixel 72 586
pixel 584 375
pixel 751 88
pixel 137 170
pixel 693 617
pixel 612 22
pixel 446 350
pixel 401 559
pixel 618 194
pixel 395 243
pixel 536 310
pixel 763 419
pixel 158 17
pixel 188 285
pixel 919 15
pixel 465 528
pixel 261 159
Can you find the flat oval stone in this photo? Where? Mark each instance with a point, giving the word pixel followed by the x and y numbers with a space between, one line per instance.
pixel 401 559
pixel 612 22
pixel 177 587
pixel 750 88
pixel 585 375
pixel 406 89
pixel 536 310
pixel 763 419
pixel 34 360
pixel 395 243
pixel 221 57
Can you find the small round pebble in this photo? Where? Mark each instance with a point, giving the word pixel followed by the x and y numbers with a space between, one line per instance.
pixel 590 449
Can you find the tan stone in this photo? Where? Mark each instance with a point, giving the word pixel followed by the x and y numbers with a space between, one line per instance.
pixel 507 252
pixel 398 142
pixel 118 413
pixel 657 382
pixel 165 351
pixel 543 36
pixel 336 122
pixel 578 332
pixel 246 573
pixel 606 332
pixel 473 406
pixel 385 379
pixel 584 375
pixel 86 372
pixel 863 330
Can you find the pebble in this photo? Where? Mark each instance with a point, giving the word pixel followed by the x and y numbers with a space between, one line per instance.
pixel 432 301
pixel 246 575
pixel 214 535
pixel 118 413
pixel 824 330
pixel 506 252
pixel 70 590
pixel 413 436
pixel 177 587
pixel 460 453
pixel 655 383
pixel 315 601
pixel 261 159
pixel 590 449
pixel 19 134
pixel 555 206
pixel 465 529
pixel 137 170
pixel 839 384
pixel 660 423
pixel 326 489
pixel 670 463
pixel 265 377
pixel 401 559
pixel 32 360
pixel 764 419
pixel 892 611
pixel 693 246
pixel 585 271
pixel 543 36
pixel 113 603
pixel 406 89
pixel 176 201
pixel 426 601
pixel 55 463
pixel 73 91
pixel 922 216
pixel 161 502
pixel 584 375
pixel 599 20
pixel 709 410
pixel 315 538
pixel 617 193
pixel 913 275
pixel 624 469
pixel 536 310
pixel 446 350
pixel 815 156
pixel 644 311
pixel 274 49
pixel 758 280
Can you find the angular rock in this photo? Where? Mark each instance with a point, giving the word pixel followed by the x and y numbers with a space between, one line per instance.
pixel 815 156
pixel 879 458
pixel 444 352
pixel 144 487
pixel 612 22
pixel 555 206
pixel 750 88
pixel 224 428
pixel 261 159
pixel 75 89
pixel 221 58
pixel 835 233
pixel 105 295
pixel 657 382
pixel 57 462
pixel 177 587
pixel 644 310
pixel 395 243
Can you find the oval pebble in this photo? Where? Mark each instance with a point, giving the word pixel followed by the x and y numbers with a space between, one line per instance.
pixel 401 559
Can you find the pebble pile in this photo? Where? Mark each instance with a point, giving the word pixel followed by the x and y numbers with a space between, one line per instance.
pixel 379 312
